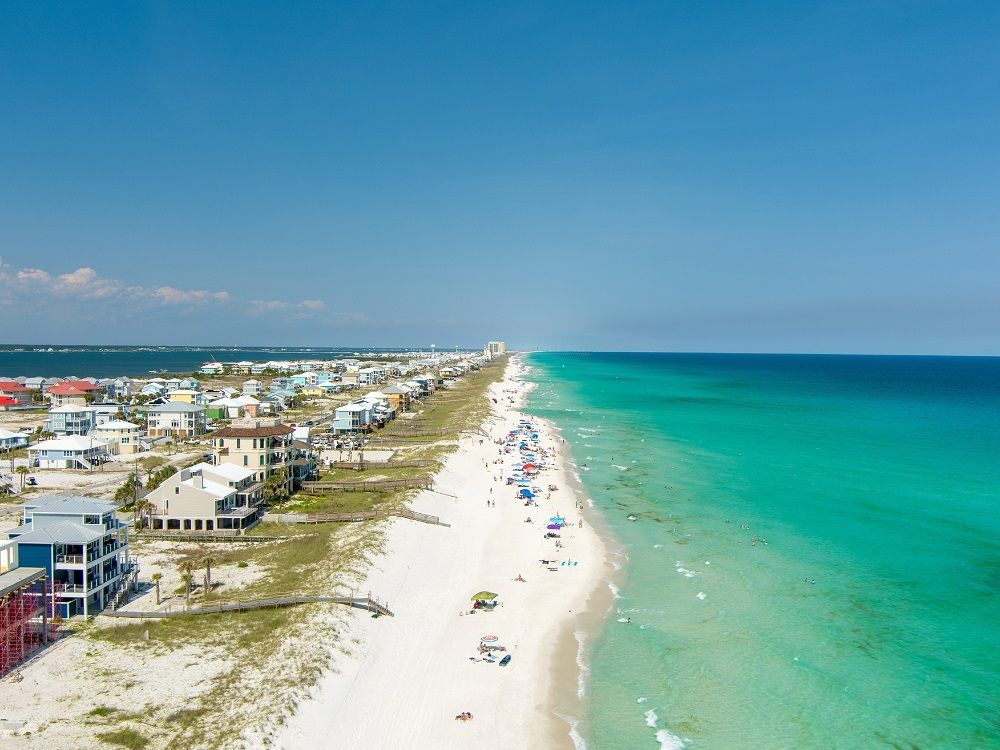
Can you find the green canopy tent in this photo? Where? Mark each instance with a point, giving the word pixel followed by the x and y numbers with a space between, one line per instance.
pixel 484 596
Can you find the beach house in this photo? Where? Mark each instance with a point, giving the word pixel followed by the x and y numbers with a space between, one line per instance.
pixel 20 393
pixel 261 444
pixel 175 419
pixel 121 438
pixel 68 452
pixel 187 396
pixel 77 392
pixel 70 419
pixel 82 546
pixel 252 387
pixel 399 398
pixel 10 441
pixel 223 499
pixel 212 368
pixel 354 417
pixel 236 407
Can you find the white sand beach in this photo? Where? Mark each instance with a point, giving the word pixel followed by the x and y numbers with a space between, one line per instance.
pixel 412 674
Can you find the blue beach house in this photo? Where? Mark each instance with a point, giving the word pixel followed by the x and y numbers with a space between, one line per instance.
pixel 82 546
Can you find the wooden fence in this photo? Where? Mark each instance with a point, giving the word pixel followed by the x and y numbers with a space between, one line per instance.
pixel 223 535
pixel 355 516
pixel 411 464
pixel 369 603
pixel 384 485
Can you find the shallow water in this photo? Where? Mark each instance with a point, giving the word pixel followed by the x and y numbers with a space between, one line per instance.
pixel 864 616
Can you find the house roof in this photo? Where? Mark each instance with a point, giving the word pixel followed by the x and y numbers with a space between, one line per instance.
pixel 394 389
pixel 229 471
pixel 14 579
pixel 268 431
pixel 7 400
pixel 174 407
pixel 61 532
pixel 8 434
pixel 117 424
pixel 68 409
pixel 61 503
pixel 68 443
pixel 70 389
pixel 354 407
pixel 9 386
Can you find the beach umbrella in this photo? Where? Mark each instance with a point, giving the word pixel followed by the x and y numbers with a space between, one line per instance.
pixel 527 493
pixel 557 519
pixel 529 466
pixel 489 639
pixel 553 526
pixel 484 596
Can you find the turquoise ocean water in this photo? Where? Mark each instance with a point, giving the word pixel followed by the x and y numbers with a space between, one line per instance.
pixel 865 616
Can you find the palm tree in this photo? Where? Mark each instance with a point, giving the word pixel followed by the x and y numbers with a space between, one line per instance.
pixel 186 579
pixel 23 471
pixel 156 578
pixel 208 572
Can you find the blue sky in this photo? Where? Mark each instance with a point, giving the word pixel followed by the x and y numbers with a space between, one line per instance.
pixel 652 176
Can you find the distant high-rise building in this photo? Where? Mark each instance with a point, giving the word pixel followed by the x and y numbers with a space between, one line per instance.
pixel 496 347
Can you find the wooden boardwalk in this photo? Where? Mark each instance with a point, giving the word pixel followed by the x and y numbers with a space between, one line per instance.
pixel 218 536
pixel 356 516
pixel 410 464
pixel 385 485
pixel 369 603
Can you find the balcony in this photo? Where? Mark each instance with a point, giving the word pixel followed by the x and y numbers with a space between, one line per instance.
pixel 241 512
pixel 70 559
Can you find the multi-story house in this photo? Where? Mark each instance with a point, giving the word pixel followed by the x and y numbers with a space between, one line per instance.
pixel 68 452
pixel 175 419
pixel 263 445
pixel 20 393
pixel 223 499
pixel 70 419
pixel 353 417
pixel 121 438
pixel 82 546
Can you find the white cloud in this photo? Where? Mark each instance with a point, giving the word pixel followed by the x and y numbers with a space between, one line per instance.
pixel 172 296
pixel 33 274
pixel 86 283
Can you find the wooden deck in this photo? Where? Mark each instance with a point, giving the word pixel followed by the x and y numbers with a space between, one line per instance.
pixel 411 464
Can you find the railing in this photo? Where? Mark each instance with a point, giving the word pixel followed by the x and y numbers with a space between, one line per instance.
pixel 369 603
pixel 411 464
pixel 70 559
pixel 385 485
pixel 219 535
pixel 355 516
pixel 238 512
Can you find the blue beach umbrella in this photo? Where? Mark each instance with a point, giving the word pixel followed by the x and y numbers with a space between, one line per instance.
pixel 527 493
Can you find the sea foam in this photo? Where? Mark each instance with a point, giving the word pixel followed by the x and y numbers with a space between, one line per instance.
pixel 651 718
pixel 581 680
pixel 670 741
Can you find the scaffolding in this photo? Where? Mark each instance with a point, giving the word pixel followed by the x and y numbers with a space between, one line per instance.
pixel 28 621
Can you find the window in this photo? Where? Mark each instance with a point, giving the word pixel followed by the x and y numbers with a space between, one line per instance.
pixel 177 490
pixel 261 459
pixel 245 461
pixel 237 443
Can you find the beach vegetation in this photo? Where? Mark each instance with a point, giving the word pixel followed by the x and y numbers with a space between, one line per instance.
pixel 125 737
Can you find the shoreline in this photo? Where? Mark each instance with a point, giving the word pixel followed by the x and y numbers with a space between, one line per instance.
pixel 415 669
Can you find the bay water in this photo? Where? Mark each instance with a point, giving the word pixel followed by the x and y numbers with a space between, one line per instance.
pixel 815 556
